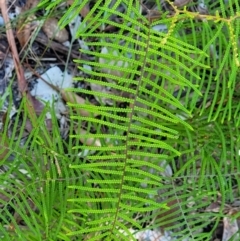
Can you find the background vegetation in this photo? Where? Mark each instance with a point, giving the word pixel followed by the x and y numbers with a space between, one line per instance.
pixel 151 139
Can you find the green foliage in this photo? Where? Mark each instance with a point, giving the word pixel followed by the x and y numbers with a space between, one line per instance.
pixel 175 101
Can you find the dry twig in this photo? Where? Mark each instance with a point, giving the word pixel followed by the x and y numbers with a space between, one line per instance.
pixel 41 38
pixel 22 84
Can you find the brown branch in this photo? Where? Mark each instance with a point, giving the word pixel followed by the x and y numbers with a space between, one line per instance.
pixel 22 84
pixel 10 37
pixel 41 38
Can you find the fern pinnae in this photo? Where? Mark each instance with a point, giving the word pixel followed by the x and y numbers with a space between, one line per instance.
pixel 94 211
pixel 236 115
pixel 114 55
pixel 112 116
pixel 147 154
pixel 143 173
pixel 146 130
pixel 174 102
pixel 49 6
pixel 159 132
pixel 105 108
pixel 155 105
pixel 202 171
pixel 107 157
pixel 101 148
pixel 214 101
pixel 130 19
pixel 119 127
pixel 91 189
pixel 102 136
pixel 24 208
pixel 190 168
pixel 227 113
pixel 126 28
pixel 120 229
pixel 99 164
pixel 141 200
pixel 107 66
pixel 181 80
pixel 98 237
pixel 144 209
pixel 72 12
pixel 107 181
pixel 112 45
pixel 113 77
pixel 140 181
pixel 220 134
pixel 94 23
pixel 96 222
pixel 139 190
pixel 149 139
pixel 172 118
pixel 145 144
pixel 110 96
pixel 96 228
pixel 153 165
pixel 162 127
pixel 213 35
pixel 130 220
pixel 104 171
pixel 113 85
pixel 180 53
pixel 222 189
pixel 173 60
pixel 224 61
pixel 163 74
pixel 183 47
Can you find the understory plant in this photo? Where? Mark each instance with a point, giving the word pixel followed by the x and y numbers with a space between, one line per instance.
pixel 161 141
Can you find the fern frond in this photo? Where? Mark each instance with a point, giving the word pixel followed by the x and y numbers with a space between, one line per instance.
pixel 164 76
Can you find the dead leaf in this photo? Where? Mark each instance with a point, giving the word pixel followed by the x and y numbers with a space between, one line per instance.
pixel 76 99
pixel 52 30
pixel 37 105
pixel 89 141
pixel 70 2
pixel 25 25
pixel 67 96
pixel 167 218
pixel 230 227
pixel 85 10
pixel 24 30
pixel 181 3
pixel 30 4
